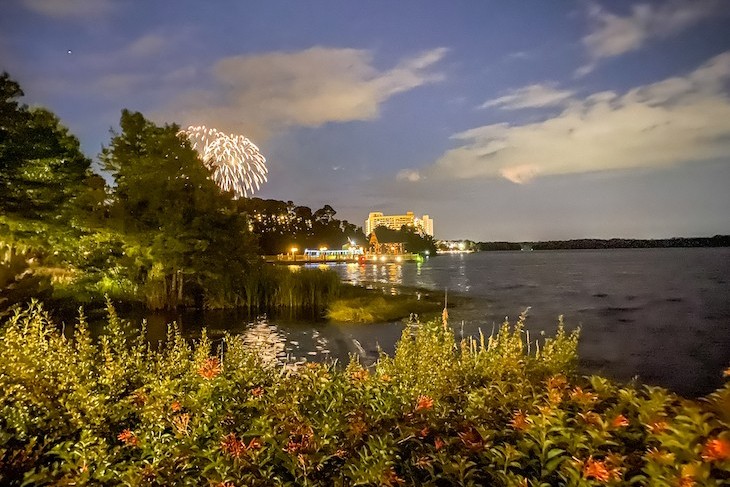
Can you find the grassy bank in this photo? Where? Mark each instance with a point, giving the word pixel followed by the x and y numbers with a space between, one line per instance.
pixel 379 308
pixel 439 412
pixel 359 305
pixel 356 304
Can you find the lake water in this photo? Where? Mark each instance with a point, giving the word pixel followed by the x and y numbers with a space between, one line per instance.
pixel 662 315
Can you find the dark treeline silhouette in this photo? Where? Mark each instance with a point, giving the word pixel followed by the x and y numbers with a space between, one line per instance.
pixel 493 246
pixel 281 225
pixel 412 240
pixel 626 243
pixel 613 243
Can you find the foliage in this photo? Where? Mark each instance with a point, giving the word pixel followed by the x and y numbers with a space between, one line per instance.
pixel 614 243
pixel 413 241
pixel 188 241
pixel 282 225
pixel 481 412
pixel 163 235
pixel 50 197
pixel 43 174
pixel 18 276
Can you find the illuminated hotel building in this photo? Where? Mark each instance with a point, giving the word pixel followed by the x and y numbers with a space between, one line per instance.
pixel 395 222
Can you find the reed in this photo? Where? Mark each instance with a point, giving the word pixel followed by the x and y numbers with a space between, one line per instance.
pixel 276 288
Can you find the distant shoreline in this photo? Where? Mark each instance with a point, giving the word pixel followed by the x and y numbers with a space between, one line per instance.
pixel 613 243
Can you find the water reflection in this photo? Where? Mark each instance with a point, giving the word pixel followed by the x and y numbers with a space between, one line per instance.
pixel 461 281
pixel 277 341
pixel 287 343
pixel 267 341
pixel 364 274
pixel 392 275
pixel 662 314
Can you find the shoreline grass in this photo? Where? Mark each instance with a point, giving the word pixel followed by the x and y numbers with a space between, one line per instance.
pixel 360 305
pixel 379 308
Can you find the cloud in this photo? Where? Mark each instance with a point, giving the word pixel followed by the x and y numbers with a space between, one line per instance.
pixel 519 55
pixel 677 120
pixel 306 88
pixel 147 45
pixel 408 175
pixel 65 9
pixel 115 84
pixel 533 96
pixel 615 34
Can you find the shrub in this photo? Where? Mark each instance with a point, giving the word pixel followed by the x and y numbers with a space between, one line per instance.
pixel 115 411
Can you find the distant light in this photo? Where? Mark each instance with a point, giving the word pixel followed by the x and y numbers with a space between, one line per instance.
pixel 323 249
pixel 426 252
pixel 382 259
pixel 399 258
pixel 294 250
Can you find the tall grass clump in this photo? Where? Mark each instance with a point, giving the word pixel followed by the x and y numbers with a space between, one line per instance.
pixel 274 287
pixel 486 411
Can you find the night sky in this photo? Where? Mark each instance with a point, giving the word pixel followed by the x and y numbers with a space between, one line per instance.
pixel 527 120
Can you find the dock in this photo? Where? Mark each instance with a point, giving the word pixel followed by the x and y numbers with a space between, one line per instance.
pixel 298 259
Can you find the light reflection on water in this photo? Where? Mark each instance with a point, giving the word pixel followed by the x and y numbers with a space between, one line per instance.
pixel 278 341
pixel 660 314
pixel 387 273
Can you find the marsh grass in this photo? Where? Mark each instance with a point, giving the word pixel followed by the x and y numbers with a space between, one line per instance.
pixel 274 287
pixel 262 290
pixel 378 309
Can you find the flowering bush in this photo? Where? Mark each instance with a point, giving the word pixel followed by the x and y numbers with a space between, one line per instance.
pixel 116 411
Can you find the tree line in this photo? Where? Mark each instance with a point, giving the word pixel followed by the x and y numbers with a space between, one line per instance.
pixel 613 243
pixel 626 243
pixel 282 225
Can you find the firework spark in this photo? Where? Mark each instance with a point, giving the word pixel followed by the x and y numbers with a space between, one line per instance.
pixel 236 163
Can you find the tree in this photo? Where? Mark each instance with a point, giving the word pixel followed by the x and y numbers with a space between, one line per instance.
pixel 42 169
pixel 48 195
pixel 191 242
pixel 47 186
pixel 412 240
pixel 324 215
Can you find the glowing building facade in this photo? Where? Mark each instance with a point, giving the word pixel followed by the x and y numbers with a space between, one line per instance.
pixel 377 219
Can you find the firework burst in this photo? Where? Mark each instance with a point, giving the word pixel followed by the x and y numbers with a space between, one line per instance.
pixel 235 162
